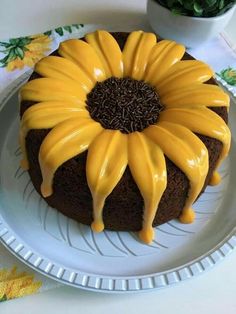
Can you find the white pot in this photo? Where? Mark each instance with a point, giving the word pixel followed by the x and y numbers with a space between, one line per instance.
pixel 190 31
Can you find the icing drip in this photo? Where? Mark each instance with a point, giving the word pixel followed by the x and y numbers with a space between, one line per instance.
pixel 203 121
pixel 187 216
pixel 215 178
pixel 106 163
pixel 148 168
pixel 193 160
pixel 60 98
pixel 47 115
pixel 66 140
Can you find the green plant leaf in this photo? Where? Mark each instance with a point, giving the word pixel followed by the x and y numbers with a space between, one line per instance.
pixel 170 3
pixel 211 2
pixel 197 9
pixel 221 4
pixel 59 31
pixel 189 5
pixel 203 8
pixel 178 11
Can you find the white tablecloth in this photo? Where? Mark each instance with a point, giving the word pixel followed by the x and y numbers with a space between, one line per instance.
pixel 212 292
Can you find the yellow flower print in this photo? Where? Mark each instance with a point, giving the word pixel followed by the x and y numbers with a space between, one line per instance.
pixel 24 51
pixel 15 284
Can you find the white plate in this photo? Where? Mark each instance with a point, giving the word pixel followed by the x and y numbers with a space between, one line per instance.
pixel 110 261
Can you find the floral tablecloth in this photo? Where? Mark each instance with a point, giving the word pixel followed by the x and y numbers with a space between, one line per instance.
pixel 17 55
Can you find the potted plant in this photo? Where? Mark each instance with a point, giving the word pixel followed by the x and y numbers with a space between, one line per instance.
pixel 189 22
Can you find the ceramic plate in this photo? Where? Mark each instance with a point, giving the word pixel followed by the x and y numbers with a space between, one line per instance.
pixel 110 261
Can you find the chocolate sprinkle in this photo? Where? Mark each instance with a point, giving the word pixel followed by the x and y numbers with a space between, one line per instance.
pixel 124 104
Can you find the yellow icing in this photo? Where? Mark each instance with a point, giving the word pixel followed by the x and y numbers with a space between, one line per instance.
pixel 193 160
pixel 66 140
pixel 64 69
pixel 183 74
pixel 47 115
pixel 50 89
pixel 148 168
pixel 163 55
pixel 187 216
pixel 60 98
pixel 86 58
pixel 106 163
pixel 196 95
pixel 215 179
pixel 203 121
pixel 108 51
pixel 136 53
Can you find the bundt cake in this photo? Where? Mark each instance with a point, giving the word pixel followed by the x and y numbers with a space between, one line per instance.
pixel 123 131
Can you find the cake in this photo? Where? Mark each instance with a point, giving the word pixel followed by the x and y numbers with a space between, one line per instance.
pixel 123 131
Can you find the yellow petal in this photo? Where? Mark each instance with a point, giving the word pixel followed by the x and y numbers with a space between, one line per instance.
pixel 203 121
pixel 193 159
pixel 147 165
pixel 163 55
pixel 65 141
pixel 64 69
pixel 106 162
pixel 82 54
pixel 50 89
pixel 46 115
pixel 136 53
pixel 182 74
pixel 108 51
pixel 196 95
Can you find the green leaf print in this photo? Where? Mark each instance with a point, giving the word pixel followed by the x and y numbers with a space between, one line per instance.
pixel 78 26
pixel 13 49
pixel 19 52
pixel 4 298
pixel 59 31
pixel 68 28
pixel 8 58
pixel 48 33
pixel 228 75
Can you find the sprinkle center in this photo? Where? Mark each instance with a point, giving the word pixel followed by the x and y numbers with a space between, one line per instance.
pixel 124 104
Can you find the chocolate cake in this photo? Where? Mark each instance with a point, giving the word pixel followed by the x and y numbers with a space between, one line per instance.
pixel 130 102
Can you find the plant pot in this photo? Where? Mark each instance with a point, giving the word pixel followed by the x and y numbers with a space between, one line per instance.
pixel 190 31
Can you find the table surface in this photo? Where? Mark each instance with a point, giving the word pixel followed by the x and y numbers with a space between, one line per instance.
pixel 213 291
